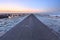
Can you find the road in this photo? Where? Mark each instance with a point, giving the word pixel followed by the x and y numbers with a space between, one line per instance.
pixel 30 29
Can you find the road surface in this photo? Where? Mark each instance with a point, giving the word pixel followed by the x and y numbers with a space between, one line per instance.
pixel 30 29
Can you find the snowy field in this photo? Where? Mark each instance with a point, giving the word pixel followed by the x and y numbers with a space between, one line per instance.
pixel 52 22
pixel 7 23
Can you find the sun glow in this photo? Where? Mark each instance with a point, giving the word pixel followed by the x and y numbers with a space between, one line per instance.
pixel 19 10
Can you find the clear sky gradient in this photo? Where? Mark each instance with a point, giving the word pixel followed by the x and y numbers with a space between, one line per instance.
pixel 29 5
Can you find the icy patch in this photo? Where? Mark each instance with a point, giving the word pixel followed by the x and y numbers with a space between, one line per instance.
pixel 52 23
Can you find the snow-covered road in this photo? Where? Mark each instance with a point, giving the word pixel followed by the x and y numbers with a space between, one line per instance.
pixel 7 24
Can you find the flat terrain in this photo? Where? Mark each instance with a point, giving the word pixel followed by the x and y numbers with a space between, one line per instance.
pixel 30 29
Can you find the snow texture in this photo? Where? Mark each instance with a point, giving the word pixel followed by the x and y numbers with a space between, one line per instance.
pixel 51 21
pixel 7 23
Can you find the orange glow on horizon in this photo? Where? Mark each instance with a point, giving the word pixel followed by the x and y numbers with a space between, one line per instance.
pixel 13 10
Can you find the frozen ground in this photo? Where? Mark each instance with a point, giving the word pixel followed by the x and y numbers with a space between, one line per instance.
pixel 7 23
pixel 52 22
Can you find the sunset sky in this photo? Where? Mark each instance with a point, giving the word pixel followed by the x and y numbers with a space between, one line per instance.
pixel 29 5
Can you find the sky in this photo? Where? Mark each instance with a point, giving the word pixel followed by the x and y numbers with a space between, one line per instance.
pixel 29 5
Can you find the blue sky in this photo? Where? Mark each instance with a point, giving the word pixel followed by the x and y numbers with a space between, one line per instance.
pixel 33 4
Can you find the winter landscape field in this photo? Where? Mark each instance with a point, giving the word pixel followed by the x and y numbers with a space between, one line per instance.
pixel 7 23
pixel 52 21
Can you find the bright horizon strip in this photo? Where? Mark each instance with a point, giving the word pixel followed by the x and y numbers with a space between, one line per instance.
pixel 19 10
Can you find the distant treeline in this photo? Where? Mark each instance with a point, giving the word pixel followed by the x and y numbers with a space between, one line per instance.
pixel 4 16
pixel 12 14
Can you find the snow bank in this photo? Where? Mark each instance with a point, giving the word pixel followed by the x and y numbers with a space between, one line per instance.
pixel 6 24
pixel 52 23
